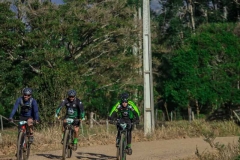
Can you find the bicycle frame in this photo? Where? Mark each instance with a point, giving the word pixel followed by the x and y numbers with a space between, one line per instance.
pixel 68 139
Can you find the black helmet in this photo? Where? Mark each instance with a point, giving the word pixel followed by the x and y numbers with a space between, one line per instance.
pixel 124 95
pixel 27 91
pixel 72 93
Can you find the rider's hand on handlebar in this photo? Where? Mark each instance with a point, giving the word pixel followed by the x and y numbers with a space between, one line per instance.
pixel 136 121
pixel 111 121
pixel 56 116
pixel 36 121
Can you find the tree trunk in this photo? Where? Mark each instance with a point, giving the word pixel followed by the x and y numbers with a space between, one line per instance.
pixel 189 113
pixel 225 13
pixel 197 106
pixel 190 10
pixel 165 105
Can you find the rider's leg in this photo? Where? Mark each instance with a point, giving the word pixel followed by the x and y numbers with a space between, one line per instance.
pixel 76 129
pixel 129 140
pixel 30 127
pixel 76 133
pixel 118 137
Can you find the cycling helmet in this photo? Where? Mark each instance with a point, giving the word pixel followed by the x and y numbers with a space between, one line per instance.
pixel 27 91
pixel 124 95
pixel 124 100
pixel 72 93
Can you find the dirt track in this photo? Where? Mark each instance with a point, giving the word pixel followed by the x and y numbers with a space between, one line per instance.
pixel 154 150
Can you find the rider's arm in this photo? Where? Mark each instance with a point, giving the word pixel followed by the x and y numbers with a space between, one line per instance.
pixel 134 107
pixel 114 108
pixel 35 110
pixel 59 108
pixel 136 116
pixel 114 115
pixel 15 107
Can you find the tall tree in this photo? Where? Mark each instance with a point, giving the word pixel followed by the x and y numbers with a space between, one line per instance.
pixel 205 69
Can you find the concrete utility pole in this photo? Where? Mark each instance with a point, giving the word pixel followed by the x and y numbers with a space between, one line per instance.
pixel 149 124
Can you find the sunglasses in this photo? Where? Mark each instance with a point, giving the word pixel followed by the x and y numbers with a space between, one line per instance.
pixel 27 95
pixel 71 97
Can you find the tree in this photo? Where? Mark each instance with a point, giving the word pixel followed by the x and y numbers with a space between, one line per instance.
pixel 82 45
pixel 205 69
pixel 11 31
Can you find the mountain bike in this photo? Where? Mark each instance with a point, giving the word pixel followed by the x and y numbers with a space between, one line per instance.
pixel 121 147
pixel 23 143
pixel 68 139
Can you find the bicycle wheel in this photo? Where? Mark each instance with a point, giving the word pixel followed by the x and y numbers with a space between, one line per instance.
pixel 20 142
pixel 118 153
pixel 65 144
pixel 123 144
pixel 28 147
pixel 69 147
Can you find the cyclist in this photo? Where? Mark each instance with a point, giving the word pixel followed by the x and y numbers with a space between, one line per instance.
pixel 128 112
pixel 75 110
pixel 29 110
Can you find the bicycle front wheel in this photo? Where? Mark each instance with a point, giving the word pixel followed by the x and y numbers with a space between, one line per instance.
pixel 118 153
pixel 28 147
pixel 65 144
pixel 123 144
pixel 70 144
pixel 20 141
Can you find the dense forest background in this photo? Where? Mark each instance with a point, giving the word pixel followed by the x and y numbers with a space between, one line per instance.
pixel 95 47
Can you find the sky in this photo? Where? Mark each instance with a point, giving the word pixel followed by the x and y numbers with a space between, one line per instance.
pixel 154 4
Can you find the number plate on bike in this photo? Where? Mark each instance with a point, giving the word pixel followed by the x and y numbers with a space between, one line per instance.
pixel 22 122
pixel 123 125
pixel 69 120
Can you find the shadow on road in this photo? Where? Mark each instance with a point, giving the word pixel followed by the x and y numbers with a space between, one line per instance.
pixel 50 156
pixel 94 156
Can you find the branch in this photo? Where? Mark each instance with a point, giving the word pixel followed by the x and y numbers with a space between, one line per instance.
pixel 11 56
pixel 49 64
pixel 35 69
pixel 95 58
pixel 236 1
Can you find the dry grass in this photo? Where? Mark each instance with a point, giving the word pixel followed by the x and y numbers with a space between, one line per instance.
pixel 48 138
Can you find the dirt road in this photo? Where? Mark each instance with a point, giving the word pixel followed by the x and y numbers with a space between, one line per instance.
pixel 153 150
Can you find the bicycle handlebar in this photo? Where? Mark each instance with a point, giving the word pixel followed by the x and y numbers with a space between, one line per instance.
pixel 118 121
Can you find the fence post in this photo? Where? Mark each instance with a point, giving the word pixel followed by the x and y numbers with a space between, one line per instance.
pixel 107 126
pixel 1 120
pixel 81 126
pixel 1 141
pixel 171 114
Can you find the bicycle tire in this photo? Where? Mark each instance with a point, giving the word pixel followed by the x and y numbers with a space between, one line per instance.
pixel 28 147
pixel 123 144
pixel 69 147
pixel 19 146
pixel 65 144
pixel 118 153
